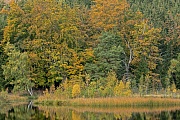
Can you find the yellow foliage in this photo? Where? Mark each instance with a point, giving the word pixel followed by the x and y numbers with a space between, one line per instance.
pixel 46 94
pixel 122 89
pixel 173 88
pixel 76 91
pixel 52 89
pixel 174 91
pixel 111 79
pixel 118 90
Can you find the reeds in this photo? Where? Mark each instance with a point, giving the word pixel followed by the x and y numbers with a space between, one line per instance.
pixel 125 101
pixel 113 102
pixel 11 98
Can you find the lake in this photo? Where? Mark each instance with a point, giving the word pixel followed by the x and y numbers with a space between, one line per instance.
pixel 34 112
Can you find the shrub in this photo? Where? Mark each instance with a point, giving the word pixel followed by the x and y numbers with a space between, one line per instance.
pixel 122 89
pixel 118 90
pixel 76 91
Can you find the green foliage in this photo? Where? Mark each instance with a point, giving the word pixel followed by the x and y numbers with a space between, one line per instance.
pixel 91 90
pixel 108 54
pixel 93 43
pixel 74 3
pixel 66 89
pixel 69 89
pixel 51 43
pixel 3 59
pixel 3 17
pixel 174 71
pixel 108 84
pixel 16 70
pixel 3 56
pixel 142 86
pixel 4 94
pixel 164 15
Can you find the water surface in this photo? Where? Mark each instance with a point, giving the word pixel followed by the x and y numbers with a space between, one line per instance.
pixel 32 112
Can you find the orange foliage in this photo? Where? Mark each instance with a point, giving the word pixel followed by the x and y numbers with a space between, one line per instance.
pixel 107 14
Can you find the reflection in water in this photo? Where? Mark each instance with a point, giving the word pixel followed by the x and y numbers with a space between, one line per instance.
pixel 30 112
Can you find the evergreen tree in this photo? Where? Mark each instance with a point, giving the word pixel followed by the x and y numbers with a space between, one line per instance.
pixel 108 57
pixel 174 72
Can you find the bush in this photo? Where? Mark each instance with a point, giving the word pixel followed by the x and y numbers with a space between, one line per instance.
pixel 122 89
pixel 76 91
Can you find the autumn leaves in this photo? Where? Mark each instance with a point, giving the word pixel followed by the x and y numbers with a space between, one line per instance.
pixel 65 42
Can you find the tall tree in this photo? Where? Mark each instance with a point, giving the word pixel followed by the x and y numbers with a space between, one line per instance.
pixel 136 35
pixel 174 72
pixel 106 15
pixel 164 15
pixel 3 56
pixel 47 30
pixel 16 70
pixel 108 57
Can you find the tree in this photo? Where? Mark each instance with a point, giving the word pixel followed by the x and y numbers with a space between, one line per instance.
pixel 58 37
pixel 164 15
pixel 108 57
pixel 130 26
pixel 119 89
pixel 16 70
pixel 3 59
pixel 146 41
pixel 3 56
pixel 74 3
pixel 108 84
pixel 174 72
pixel 13 23
pixel 3 17
pixel 50 42
pixel 106 15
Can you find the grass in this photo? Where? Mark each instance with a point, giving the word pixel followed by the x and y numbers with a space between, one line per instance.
pixel 6 97
pixel 12 98
pixel 125 101
pixel 114 102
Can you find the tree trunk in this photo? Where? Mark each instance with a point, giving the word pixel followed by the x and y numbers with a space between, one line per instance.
pixel 30 91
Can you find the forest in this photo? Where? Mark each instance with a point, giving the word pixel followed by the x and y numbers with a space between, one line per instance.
pixel 90 48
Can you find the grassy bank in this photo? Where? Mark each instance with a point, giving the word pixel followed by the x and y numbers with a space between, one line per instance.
pixel 114 102
pixel 12 98
pixel 17 97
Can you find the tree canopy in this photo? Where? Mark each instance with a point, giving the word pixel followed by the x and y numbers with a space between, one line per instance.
pixel 80 43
